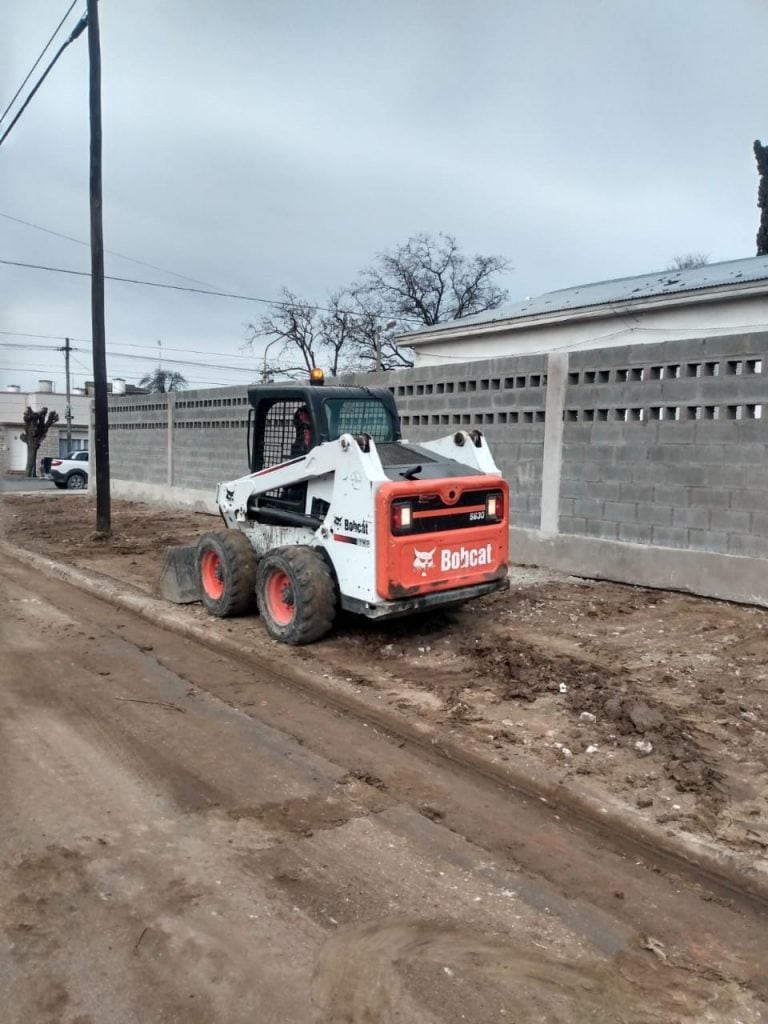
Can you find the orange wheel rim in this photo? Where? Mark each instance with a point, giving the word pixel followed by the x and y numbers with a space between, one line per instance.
pixel 280 601
pixel 212 575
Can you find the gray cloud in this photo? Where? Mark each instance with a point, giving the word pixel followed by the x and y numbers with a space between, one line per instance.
pixel 253 144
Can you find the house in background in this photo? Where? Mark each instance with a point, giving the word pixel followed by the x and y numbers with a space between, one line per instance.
pixel 13 403
pixel 720 298
pixel 116 387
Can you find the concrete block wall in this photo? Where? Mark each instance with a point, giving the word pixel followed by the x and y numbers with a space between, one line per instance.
pixel 646 464
pixel 209 437
pixel 138 438
pixel 505 398
pixel 666 445
pixel 190 440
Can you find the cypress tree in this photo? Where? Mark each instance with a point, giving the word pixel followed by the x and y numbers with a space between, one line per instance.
pixel 761 155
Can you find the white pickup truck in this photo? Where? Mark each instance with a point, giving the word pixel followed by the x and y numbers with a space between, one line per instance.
pixel 71 473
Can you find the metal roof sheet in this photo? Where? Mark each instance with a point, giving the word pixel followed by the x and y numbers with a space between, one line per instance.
pixel 621 290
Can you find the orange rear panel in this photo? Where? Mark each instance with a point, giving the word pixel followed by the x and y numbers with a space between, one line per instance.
pixel 442 559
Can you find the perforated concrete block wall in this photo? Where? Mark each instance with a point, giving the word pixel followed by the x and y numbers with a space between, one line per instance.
pixel 138 438
pixel 662 447
pixel 209 437
pixel 504 398
pixel 666 445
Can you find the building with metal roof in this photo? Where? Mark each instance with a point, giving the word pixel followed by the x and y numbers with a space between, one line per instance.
pixel 719 298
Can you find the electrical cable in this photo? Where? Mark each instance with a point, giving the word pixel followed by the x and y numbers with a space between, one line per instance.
pixel 29 348
pixel 206 381
pixel 195 291
pixel 181 362
pixel 123 344
pixel 110 252
pixel 132 355
pixel 145 359
pixel 76 31
pixel 42 54
pixel 51 337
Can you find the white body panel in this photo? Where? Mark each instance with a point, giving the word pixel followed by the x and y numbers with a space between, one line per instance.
pixel 347 478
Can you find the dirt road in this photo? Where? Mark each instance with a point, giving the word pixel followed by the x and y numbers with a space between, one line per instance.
pixel 184 842
pixel 648 701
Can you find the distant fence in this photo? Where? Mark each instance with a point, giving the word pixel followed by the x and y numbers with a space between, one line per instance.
pixel 644 463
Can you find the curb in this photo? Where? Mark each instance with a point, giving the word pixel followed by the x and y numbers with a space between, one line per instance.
pixel 722 868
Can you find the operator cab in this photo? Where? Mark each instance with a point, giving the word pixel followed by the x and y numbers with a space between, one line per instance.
pixel 288 420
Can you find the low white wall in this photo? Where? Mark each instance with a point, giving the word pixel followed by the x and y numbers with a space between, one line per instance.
pixel 173 497
pixel 705 573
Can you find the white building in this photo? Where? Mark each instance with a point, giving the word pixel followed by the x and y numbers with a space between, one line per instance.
pixel 13 403
pixel 720 298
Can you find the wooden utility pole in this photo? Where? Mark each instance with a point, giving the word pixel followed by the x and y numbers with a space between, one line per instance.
pixel 98 333
pixel 68 412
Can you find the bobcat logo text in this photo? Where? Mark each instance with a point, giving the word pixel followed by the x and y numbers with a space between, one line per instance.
pixel 423 560
pixel 450 561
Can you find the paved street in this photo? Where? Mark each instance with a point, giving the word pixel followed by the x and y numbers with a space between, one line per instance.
pixel 183 842
pixel 14 482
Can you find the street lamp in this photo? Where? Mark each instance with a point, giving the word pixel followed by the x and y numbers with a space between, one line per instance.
pixel 388 326
pixel 264 371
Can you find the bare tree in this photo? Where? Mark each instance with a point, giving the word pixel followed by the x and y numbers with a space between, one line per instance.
pixel 340 327
pixel 305 336
pixel 761 155
pixel 161 381
pixel 430 280
pixel 374 343
pixel 689 261
pixel 425 281
pixel 36 427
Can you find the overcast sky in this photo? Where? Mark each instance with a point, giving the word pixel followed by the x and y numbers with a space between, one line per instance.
pixel 252 144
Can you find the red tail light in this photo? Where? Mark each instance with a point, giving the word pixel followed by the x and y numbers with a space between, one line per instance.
pixel 494 507
pixel 402 516
pixel 56 462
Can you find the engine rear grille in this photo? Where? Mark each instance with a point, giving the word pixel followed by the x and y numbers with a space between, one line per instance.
pixel 432 515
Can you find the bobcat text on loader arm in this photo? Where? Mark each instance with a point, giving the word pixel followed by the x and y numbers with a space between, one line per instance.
pixel 338 511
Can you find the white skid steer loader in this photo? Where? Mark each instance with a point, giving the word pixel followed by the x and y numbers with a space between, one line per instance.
pixel 339 512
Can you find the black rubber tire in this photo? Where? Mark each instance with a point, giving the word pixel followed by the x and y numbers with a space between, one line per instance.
pixel 312 592
pixel 60 484
pixel 77 481
pixel 235 563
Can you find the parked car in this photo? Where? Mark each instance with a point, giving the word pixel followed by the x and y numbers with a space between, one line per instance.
pixel 71 472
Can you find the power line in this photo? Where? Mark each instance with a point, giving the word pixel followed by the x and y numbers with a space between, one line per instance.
pixel 195 291
pixel 133 355
pixel 193 351
pixel 42 54
pixel 111 252
pixel 52 337
pixel 76 31
pixel 121 355
pixel 189 380
pixel 29 348
pixel 123 344
pixel 60 373
pixel 183 362
pixel 153 284
pixel 144 359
